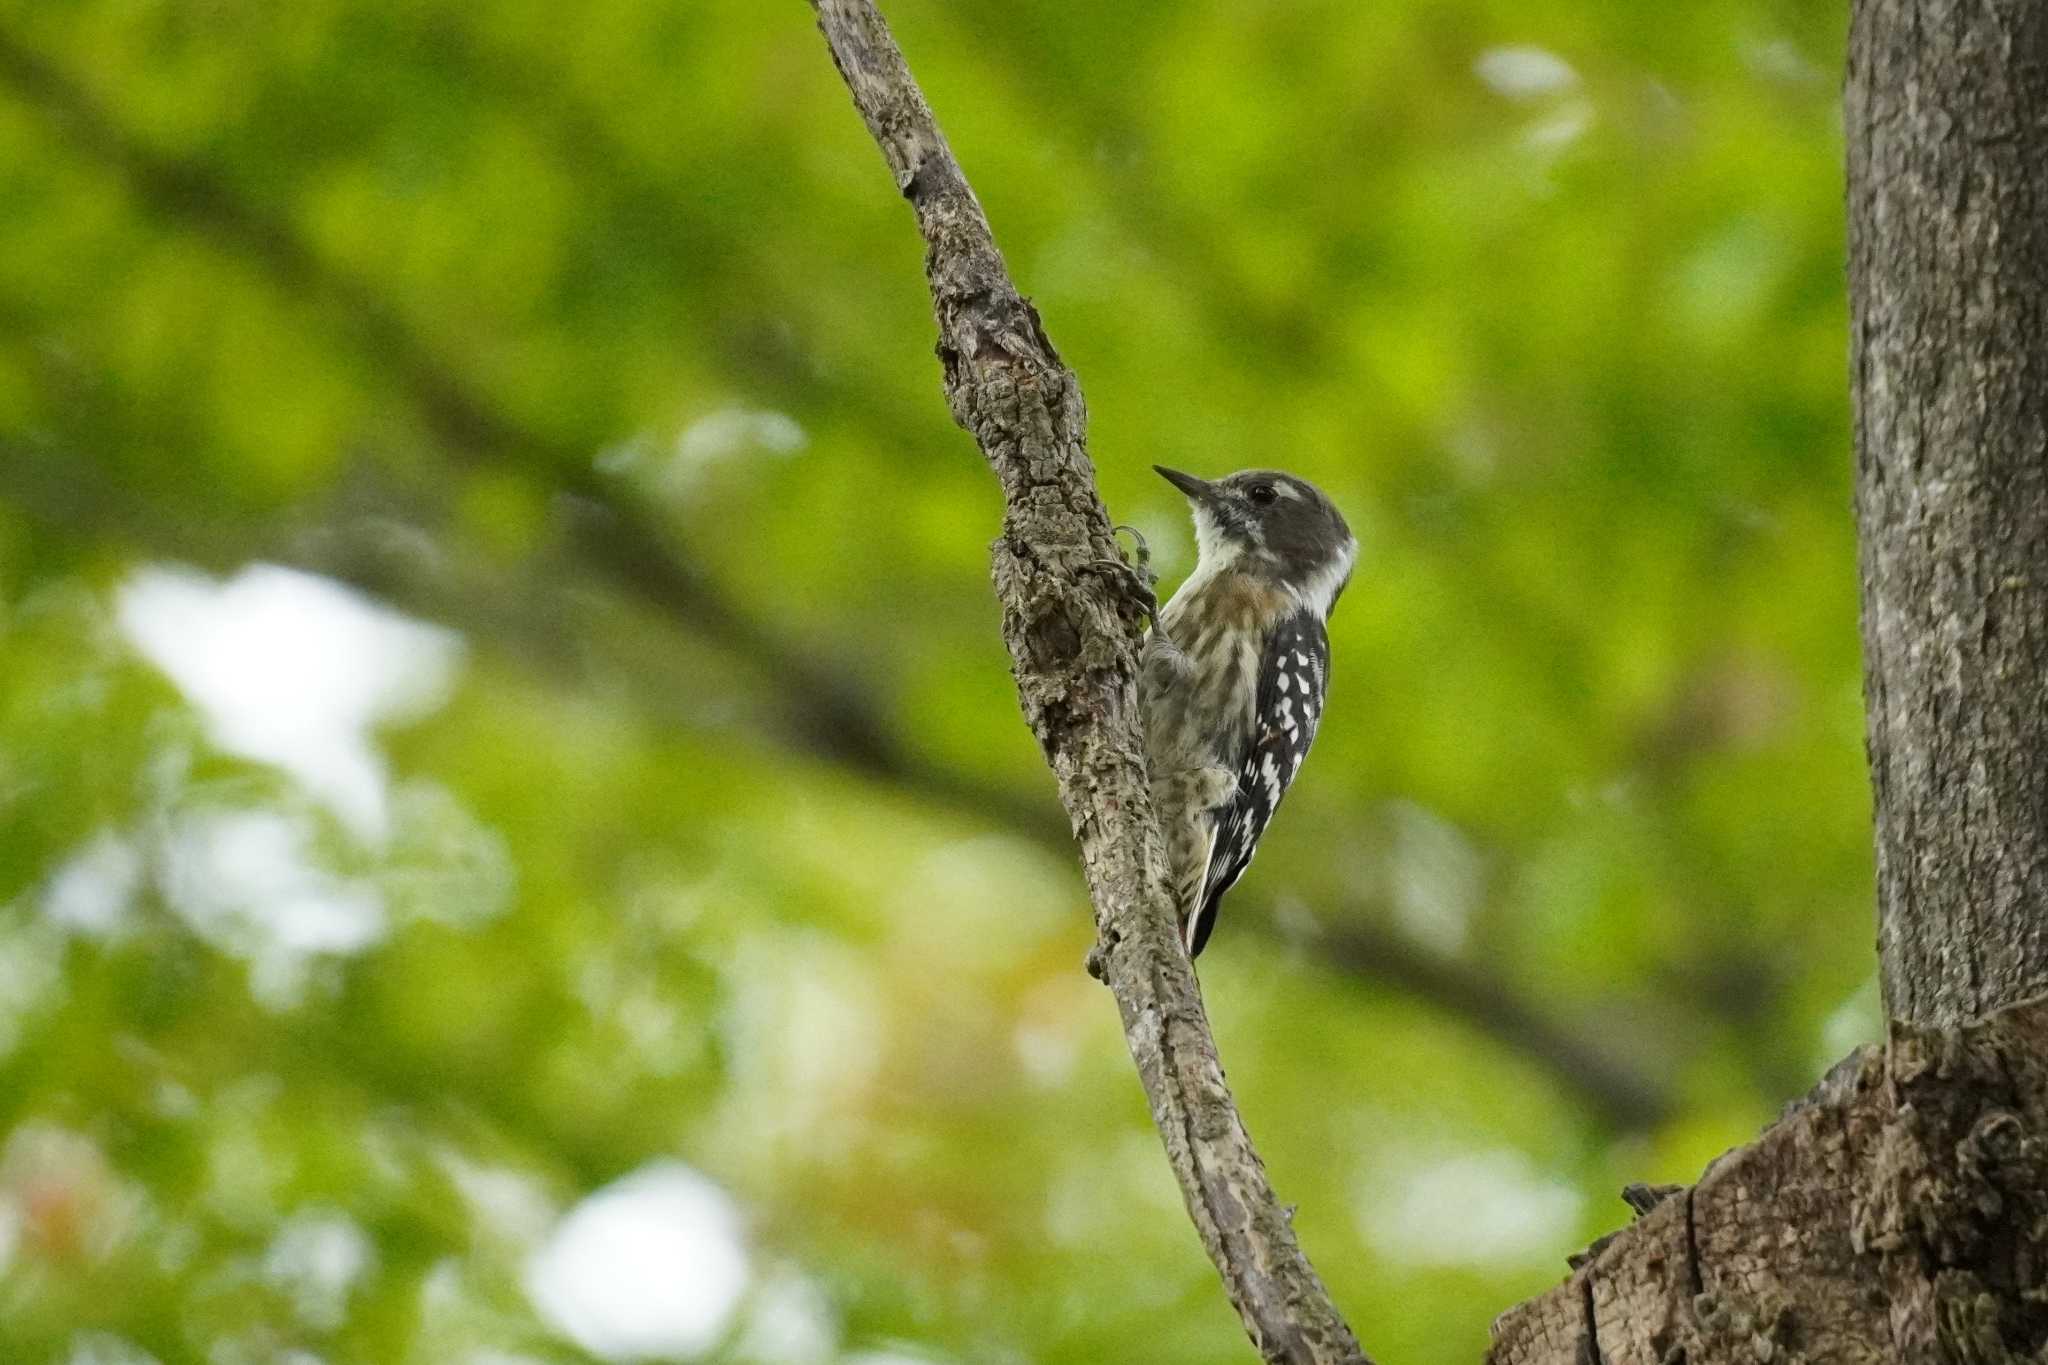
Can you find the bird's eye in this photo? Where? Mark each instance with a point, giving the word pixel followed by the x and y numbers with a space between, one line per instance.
pixel 1261 493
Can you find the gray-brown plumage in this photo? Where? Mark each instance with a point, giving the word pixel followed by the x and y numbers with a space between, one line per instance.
pixel 1235 673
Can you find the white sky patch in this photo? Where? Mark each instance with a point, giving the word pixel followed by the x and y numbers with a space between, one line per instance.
pixel 44 1164
pixel 255 1346
pixel 1435 877
pixel 509 1204
pixel 1046 1052
pixel 652 1266
pixel 806 1037
pixel 831 1041
pixel 1054 1026
pixel 789 1322
pixel 293 670
pixel 441 1289
pixel 1076 1214
pixel 718 437
pixel 31 976
pixel 10 1233
pixel 663 1039
pixel 104 1348
pixel 318 1258
pixel 1473 446
pixel 1490 1208
pixel 1009 895
pixel 442 864
pixel 1780 60
pixel 1854 1022
pixel 1729 278
pixel 94 890
pixel 245 883
pixel 1560 130
pixel 250 882
pixel 739 431
pixel 1524 72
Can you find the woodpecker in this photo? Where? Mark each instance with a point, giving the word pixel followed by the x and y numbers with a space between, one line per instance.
pixel 1234 674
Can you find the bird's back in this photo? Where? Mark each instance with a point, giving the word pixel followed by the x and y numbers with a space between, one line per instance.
pixel 1199 686
pixel 1234 672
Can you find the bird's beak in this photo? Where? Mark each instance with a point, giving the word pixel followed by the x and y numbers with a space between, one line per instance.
pixel 1200 490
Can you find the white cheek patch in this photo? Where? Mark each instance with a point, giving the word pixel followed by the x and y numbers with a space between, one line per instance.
pixel 1320 591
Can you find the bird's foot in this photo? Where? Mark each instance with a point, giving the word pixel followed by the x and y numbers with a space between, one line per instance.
pixel 1133 578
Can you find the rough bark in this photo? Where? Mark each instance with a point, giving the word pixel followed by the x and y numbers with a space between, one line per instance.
pixel 1074 654
pixel 1947 128
pixel 1898 1213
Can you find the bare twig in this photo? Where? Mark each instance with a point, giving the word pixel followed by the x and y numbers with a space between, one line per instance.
pixel 1075 658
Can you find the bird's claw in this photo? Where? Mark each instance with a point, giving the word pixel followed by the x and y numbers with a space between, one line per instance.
pixel 1141 553
pixel 1133 578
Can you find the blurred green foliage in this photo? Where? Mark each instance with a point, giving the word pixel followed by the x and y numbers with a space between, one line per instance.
pixel 1548 296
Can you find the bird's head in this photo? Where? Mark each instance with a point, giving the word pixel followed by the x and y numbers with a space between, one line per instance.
pixel 1264 522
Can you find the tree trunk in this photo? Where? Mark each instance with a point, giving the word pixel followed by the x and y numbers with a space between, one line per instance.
pixel 1947 124
pixel 1900 1212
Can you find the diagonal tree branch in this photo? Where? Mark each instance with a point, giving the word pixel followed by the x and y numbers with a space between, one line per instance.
pixel 823 708
pixel 1075 660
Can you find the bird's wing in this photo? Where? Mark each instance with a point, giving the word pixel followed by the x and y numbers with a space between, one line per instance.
pixel 1294 674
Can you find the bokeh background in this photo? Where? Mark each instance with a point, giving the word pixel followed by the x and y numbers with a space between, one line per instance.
pixel 516 842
